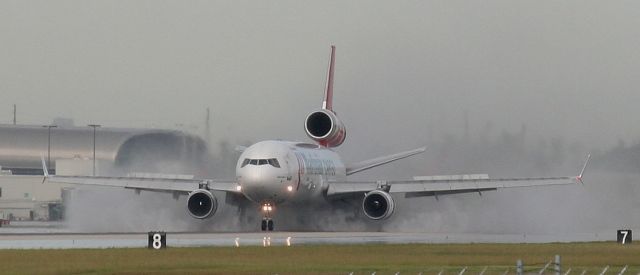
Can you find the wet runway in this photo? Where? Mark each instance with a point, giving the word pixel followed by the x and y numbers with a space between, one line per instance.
pixel 83 240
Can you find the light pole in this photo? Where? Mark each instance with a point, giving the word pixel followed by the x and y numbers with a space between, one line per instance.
pixel 94 126
pixel 49 143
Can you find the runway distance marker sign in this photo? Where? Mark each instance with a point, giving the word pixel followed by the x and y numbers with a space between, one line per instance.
pixel 625 236
pixel 157 240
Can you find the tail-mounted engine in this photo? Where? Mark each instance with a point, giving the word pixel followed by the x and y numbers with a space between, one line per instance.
pixel 202 204
pixel 325 128
pixel 378 205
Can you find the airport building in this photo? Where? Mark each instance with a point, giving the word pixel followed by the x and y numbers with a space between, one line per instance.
pixel 70 150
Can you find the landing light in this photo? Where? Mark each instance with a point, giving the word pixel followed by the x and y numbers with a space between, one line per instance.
pixel 238 188
pixel 289 188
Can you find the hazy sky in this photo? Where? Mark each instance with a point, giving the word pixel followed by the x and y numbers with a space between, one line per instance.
pixel 406 71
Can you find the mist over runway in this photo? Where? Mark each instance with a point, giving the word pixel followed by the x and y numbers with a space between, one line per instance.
pixel 604 203
pixel 70 240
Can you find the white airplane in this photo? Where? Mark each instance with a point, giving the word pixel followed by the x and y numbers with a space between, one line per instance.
pixel 273 173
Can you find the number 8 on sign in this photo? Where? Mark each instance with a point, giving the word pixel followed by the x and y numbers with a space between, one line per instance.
pixel 157 244
pixel 157 240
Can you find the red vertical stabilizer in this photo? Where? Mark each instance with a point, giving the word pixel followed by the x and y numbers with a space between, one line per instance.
pixel 324 126
pixel 327 103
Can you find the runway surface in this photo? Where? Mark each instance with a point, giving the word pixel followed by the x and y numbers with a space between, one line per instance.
pixel 59 238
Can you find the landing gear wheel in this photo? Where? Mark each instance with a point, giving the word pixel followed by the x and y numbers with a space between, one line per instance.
pixel 264 225
pixel 270 225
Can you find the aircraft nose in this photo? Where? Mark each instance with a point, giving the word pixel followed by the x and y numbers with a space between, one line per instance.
pixel 251 178
pixel 261 184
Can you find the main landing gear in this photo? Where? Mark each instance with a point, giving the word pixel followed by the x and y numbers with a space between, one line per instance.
pixel 267 222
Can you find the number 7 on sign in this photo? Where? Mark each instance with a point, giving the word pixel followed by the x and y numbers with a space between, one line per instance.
pixel 624 236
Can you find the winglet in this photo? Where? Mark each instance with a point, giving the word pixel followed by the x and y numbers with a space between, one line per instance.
pixel 44 169
pixel 584 167
pixel 327 102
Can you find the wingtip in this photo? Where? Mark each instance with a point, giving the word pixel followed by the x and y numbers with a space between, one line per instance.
pixel 584 167
pixel 45 170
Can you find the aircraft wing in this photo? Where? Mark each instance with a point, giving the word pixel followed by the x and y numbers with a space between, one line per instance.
pixel 148 184
pixel 434 186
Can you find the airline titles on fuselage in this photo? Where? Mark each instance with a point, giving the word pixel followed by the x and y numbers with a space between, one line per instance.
pixel 316 166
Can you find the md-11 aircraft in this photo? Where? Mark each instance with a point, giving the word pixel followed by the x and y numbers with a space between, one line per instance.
pixel 274 173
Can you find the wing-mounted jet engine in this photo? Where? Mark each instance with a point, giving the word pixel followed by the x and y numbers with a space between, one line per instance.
pixel 378 205
pixel 202 204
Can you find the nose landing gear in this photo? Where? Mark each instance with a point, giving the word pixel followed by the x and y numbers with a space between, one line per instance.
pixel 267 222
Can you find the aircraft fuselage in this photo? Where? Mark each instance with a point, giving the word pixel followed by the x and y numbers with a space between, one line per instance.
pixel 274 172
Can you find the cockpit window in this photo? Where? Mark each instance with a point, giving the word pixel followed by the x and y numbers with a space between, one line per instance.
pixel 273 162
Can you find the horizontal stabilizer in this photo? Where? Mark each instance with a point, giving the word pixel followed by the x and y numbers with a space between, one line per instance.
pixel 370 163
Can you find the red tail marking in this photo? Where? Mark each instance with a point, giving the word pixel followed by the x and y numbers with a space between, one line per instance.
pixel 328 92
